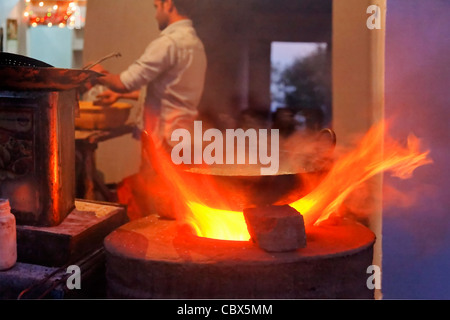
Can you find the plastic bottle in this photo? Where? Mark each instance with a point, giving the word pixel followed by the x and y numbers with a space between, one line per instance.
pixel 8 240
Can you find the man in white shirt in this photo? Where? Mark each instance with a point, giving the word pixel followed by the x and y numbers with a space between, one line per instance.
pixel 172 69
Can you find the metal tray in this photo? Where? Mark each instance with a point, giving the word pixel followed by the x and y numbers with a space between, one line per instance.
pixel 23 73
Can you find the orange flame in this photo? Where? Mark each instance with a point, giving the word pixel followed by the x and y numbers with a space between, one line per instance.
pixel 373 155
pixel 205 221
pixel 217 224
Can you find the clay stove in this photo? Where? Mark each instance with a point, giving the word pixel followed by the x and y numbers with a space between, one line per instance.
pixel 156 258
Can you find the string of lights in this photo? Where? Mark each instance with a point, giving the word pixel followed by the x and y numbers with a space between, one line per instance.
pixel 53 13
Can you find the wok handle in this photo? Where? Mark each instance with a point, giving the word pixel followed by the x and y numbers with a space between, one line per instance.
pixel 328 135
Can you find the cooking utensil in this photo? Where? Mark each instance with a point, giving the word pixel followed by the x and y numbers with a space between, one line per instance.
pixel 235 187
pixel 23 73
pixel 112 55
pixel 51 79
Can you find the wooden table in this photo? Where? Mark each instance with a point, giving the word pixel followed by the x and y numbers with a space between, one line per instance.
pixel 86 143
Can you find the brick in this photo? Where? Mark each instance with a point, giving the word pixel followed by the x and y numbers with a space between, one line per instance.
pixel 276 228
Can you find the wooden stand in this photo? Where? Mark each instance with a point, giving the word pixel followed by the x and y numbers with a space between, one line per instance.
pixel 80 233
pixel 88 181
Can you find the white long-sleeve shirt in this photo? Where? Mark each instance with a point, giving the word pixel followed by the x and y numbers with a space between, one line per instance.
pixel 173 69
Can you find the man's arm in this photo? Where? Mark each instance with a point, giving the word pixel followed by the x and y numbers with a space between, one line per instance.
pixel 157 58
pixel 109 97
pixel 113 82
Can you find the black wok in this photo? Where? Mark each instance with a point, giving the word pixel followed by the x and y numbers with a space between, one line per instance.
pixel 236 187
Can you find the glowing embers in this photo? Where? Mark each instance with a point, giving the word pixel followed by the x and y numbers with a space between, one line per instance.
pixel 217 224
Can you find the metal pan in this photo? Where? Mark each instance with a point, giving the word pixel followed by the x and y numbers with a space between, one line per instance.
pixel 23 73
pixel 49 79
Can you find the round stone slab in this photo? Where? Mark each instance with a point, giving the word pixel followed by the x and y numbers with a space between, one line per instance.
pixel 152 258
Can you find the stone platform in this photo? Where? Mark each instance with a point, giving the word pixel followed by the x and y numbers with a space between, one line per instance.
pixel 82 231
pixel 152 258
pixel 44 254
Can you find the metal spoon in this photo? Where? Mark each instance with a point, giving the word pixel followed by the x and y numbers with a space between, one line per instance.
pixel 112 55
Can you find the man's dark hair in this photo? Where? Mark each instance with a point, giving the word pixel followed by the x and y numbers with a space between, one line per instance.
pixel 185 7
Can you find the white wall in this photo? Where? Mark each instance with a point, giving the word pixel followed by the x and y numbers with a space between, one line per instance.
pixel 8 9
pixel 5 8
pixel 358 89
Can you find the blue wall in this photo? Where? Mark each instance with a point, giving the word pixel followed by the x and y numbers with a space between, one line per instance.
pixel 51 45
pixel 416 221
pixel 6 7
